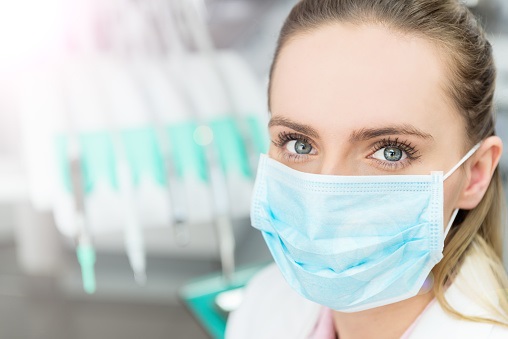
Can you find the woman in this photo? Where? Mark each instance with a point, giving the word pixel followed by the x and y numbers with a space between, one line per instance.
pixel 380 197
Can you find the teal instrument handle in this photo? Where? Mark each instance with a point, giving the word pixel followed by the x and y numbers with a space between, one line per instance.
pixel 189 157
pixel 230 146
pixel 258 133
pixel 86 259
pixel 143 154
pixel 98 160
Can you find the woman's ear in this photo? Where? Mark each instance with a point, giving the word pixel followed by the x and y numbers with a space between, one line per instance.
pixel 480 169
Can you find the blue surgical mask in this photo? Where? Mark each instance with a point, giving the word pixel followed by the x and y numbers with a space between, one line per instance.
pixel 351 242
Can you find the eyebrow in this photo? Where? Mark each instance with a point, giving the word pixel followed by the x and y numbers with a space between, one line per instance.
pixel 304 129
pixel 371 133
pixel 359 135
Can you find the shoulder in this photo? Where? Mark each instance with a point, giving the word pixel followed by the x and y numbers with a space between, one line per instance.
pixel 499 332
pixel 435 322
pixel 271 309
pixel 472 293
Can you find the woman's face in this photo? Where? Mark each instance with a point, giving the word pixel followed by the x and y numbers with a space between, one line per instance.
pixel 349 100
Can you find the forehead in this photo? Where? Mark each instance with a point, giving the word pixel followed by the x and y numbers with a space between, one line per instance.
pixel 352 76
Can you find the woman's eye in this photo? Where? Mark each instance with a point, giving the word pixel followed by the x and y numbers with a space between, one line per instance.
pixel 390 154
pixel 299 147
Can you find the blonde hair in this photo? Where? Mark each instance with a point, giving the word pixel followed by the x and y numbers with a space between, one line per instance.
pixel 475 234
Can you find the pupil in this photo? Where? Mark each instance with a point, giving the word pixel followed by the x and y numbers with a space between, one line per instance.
pixel 393 154
pixel 302 147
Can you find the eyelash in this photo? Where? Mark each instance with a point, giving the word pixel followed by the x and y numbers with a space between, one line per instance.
pixel 407 147
pixel 283 138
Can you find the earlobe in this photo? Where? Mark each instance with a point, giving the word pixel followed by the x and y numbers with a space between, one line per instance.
pixel 480 168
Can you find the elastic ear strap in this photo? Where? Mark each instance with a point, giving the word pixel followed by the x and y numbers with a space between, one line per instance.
pixel 467 156
pixel 450 223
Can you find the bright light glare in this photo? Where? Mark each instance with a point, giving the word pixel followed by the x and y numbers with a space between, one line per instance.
pixel 203 135
pixel 28 28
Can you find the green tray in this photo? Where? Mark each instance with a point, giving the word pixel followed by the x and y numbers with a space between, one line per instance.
pixel 199 296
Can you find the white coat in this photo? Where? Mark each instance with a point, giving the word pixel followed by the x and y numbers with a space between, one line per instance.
pixel 271 309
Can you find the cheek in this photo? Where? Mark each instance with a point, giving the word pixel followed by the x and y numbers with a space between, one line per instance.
pixel 453 187
pixel 272 151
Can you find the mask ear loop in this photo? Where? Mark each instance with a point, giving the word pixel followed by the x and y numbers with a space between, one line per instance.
pixel 463 160
pixel 450 223
pixel 447 175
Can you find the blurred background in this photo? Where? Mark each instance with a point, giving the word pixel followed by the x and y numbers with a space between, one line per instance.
pixel 129 135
